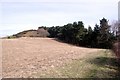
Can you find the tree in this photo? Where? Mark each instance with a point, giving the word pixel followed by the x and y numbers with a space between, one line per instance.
pixel 78 29
pixel 116 45
pixel 115 29
pixel 104 40
pixel 66 32
pixel 89 35
pixel 75 33
pixel 95 34
pixel 52 31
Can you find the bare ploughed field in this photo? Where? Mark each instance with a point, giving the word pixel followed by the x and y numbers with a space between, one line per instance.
pixel 23 57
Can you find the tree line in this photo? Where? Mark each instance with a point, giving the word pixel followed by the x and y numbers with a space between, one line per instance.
pixel 75 33
pixel 101 36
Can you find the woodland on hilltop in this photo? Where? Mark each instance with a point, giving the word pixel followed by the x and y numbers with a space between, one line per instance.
pixel 101 36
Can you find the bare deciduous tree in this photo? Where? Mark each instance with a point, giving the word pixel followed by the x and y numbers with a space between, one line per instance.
pixel 116 46
pixel 116 29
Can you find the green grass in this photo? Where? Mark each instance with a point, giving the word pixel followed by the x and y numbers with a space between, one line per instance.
pixel 96 65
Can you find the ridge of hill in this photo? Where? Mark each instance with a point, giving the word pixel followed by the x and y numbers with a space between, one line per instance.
pixel 40 32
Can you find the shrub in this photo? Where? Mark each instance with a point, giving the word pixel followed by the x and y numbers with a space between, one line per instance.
pixel 116 50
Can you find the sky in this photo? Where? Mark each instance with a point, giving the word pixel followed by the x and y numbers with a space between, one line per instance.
pixel 19 15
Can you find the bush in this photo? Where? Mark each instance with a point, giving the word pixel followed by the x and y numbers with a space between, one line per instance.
pixel 116 50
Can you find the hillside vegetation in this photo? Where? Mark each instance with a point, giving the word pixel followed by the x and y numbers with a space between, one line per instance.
pixel 101 64
pixel 40 32
pixel 53 57
pixel 101 36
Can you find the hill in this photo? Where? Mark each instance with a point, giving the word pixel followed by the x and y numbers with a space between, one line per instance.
pixel 40 32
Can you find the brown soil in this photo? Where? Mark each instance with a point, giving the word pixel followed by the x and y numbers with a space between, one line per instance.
pixel 25 56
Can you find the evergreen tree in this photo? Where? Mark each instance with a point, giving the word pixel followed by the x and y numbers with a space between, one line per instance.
pixel 104 37
pixel 75 33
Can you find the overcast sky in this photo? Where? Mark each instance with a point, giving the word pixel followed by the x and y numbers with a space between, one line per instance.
pixel 22 15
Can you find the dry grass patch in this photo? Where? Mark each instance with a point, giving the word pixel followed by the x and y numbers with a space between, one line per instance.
pixel 100 64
